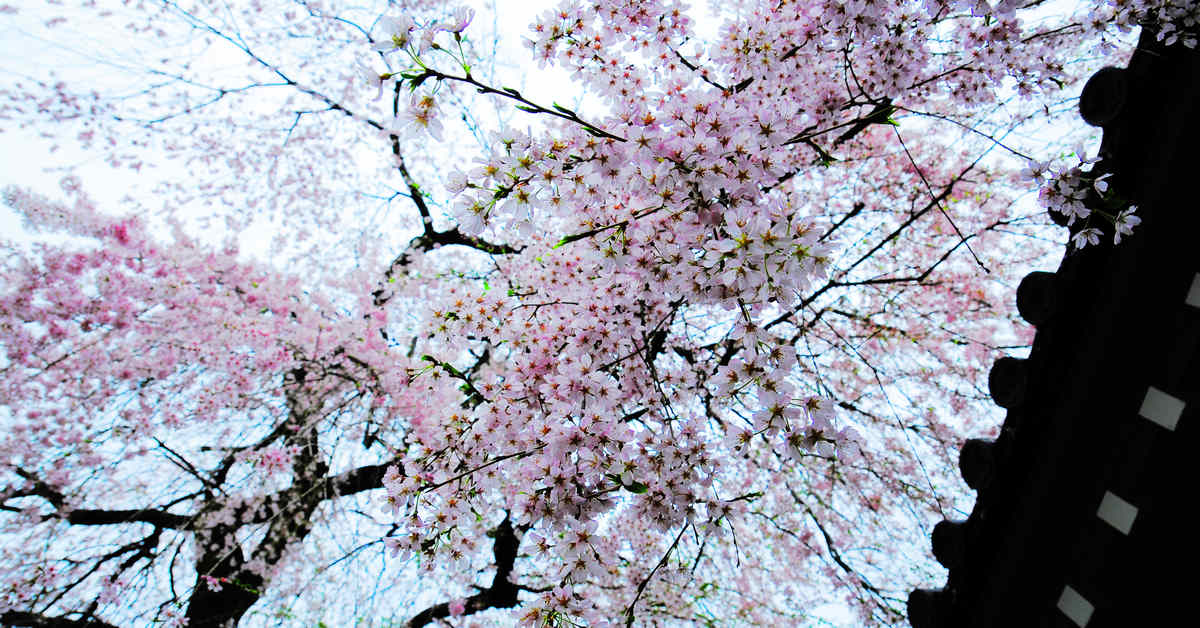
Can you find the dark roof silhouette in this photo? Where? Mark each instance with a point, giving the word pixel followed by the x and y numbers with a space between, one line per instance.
pixel 1084 509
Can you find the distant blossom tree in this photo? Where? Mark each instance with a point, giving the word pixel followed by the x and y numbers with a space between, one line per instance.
pixel 699 349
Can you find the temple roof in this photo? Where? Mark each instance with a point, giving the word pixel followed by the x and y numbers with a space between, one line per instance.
pixel 1084 498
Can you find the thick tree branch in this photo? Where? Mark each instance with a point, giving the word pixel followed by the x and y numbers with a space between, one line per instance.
pixel 226 586
pixel 35 620
pixel 502 593
pixel 357 480
pixel 429 241
pixel 99 517
pixel 90 516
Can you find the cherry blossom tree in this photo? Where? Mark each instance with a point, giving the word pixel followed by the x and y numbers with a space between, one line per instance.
pixel 698 349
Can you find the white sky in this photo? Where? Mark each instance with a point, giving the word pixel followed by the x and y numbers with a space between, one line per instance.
pixel 29 50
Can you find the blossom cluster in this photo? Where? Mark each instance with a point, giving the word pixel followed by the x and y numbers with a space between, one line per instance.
pixel 1079 195
pixel 600 400
pixel 1174 21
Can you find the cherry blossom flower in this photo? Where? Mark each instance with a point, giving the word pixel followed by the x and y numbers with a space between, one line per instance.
pixel 1084 237
pixel 1124 223
pixel 397 33
pixel 1035 170
pixel 422 114
pixel 375 79
pixel 459 21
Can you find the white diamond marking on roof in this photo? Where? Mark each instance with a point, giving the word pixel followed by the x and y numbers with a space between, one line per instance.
pixel 1075 607
pixel 1161 408
pixel 1117 512
pixel 1193 297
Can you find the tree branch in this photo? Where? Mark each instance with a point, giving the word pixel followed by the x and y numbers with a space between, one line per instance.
pixel 642 587
pixel 35 620
pixel 89 516
pixel 557 111
pixel 501 594
pixel 160 518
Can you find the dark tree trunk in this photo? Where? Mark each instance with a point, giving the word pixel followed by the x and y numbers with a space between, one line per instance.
pixel 239 589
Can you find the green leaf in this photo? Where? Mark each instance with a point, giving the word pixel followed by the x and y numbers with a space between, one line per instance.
pixel 526 108
pixel 637 488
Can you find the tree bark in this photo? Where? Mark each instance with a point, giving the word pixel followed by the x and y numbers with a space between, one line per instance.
pixel 502 593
